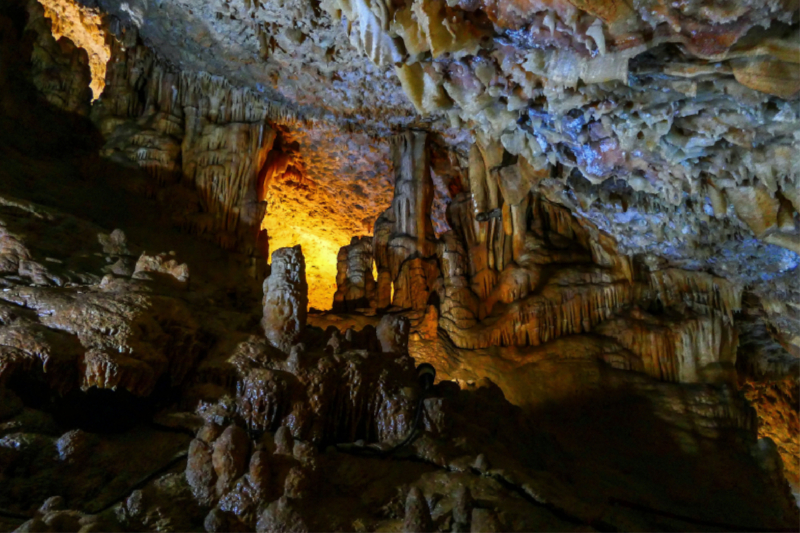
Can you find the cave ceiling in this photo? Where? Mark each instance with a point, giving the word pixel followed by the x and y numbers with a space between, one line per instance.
pixel 662 123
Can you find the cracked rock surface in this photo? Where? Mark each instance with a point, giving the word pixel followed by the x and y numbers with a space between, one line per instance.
pixel 583 214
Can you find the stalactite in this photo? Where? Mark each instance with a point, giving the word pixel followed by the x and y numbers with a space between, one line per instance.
pixel 706 292
pixel 677 350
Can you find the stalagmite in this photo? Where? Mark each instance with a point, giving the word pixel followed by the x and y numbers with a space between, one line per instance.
pixel 285 298
pixel 354 281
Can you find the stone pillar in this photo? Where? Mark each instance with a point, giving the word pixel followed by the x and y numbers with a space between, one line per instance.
pixel 409 254
pixel 380 247
pixel 285 298
pixel 413 186
pixel 354 281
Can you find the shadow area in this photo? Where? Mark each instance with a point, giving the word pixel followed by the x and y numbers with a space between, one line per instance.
pixel 675 457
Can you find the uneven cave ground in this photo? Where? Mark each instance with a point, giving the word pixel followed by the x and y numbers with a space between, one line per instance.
pixel 231 233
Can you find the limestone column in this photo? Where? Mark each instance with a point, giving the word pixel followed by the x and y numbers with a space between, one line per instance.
pixel 285 298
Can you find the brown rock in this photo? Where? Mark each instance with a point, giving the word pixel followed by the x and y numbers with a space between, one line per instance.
pixel 259 473
pixel 229 457
pixel 285 298
pixel 393 333
pixel 355 285
pixel 216 521
pixel 297 483
pixel 281 517
pixel 200 472
pixel 284 441
pixel 755 207
pixel 417 515
pixel 485 521
pixel 462 509
pixel 164 265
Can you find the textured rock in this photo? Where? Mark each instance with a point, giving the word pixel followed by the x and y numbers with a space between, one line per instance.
pixel 344 396
pixel 285 298
pixel 583 358
pixel 113 337
pixel 418 516
pixel 161 264
pixel 403 237
pixel 355 284
pixel 200 472
pixel 229 457
pixel 280 516
pixel 392 334
pixel 60 69
pixel 84 27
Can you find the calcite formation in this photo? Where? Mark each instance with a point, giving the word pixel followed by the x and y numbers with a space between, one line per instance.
pixel 285 298
pixel 584 215
pixel 403 241
pixel 85 28
pixel 207 149
pixel 354 279
pixel 60 69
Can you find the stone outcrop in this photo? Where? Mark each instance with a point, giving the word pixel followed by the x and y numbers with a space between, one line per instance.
pixel 205 143
pixel 520 270
pixel 355 283
pixel 285 298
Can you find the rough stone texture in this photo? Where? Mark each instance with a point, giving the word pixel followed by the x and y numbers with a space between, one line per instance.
pixel 418 516
pixel 403 237
pixel 392 334
pixel 206 149
pixel 635 106
pixel 86 28
pixel 355 284
pixel 60 70
pixel 285 298
pixel 599 390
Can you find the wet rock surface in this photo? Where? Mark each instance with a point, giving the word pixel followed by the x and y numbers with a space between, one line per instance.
pixel 152 379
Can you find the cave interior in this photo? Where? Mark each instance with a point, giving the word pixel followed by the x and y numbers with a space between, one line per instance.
pixel 419 266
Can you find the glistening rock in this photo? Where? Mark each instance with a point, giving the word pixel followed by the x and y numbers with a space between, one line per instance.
pixel 285 298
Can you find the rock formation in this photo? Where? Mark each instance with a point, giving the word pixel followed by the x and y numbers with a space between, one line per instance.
pixel 403 243
pixel 285 298
pixel 584 216
pixel 355 283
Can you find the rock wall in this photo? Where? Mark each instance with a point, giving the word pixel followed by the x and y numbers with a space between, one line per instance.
pixel 518 270
pixel 204 142
pixel 60 70
pixel 86 28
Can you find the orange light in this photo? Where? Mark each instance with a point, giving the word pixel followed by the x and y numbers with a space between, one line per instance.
pixel 288 227
pixel 84 27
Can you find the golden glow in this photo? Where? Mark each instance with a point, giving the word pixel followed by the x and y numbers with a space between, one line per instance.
pixel 320 242
pixel 84 27
pixel 322 187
